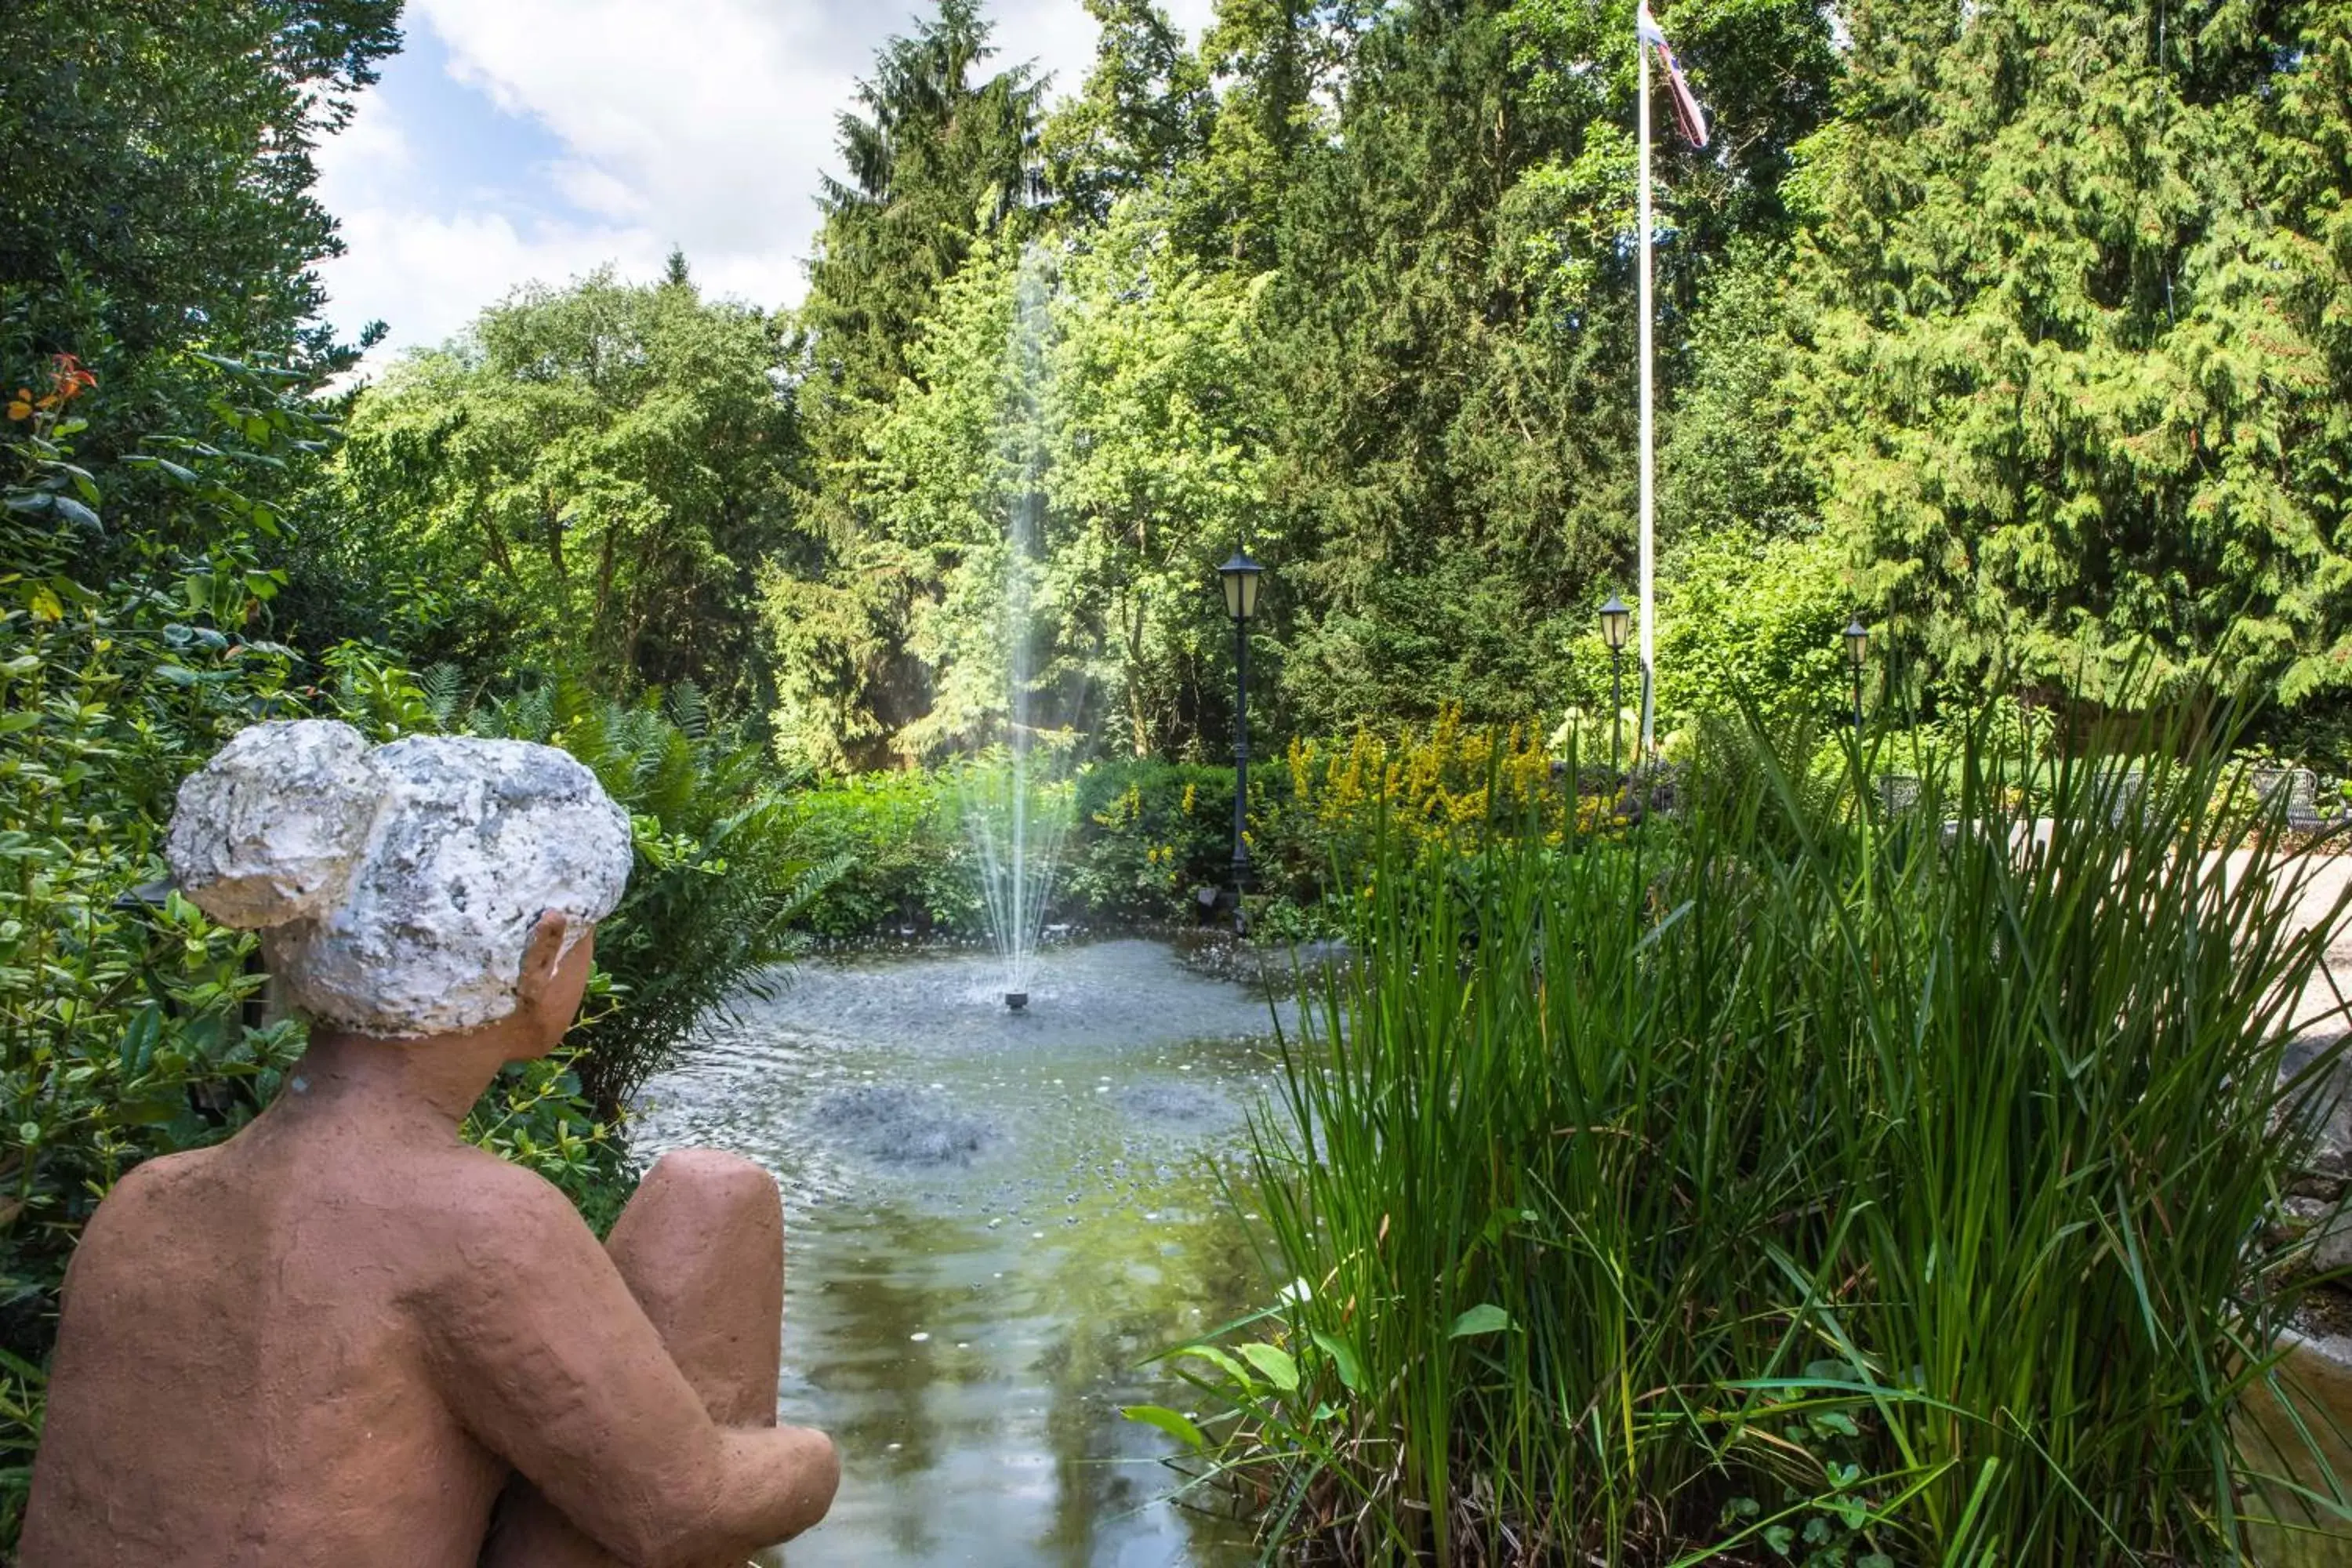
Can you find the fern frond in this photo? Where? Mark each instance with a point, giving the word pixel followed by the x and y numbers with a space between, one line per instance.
pixel 689 709
pixel 444 686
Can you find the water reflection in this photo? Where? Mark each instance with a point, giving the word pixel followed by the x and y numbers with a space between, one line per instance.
pixel 2304 1438
pixel 994 1218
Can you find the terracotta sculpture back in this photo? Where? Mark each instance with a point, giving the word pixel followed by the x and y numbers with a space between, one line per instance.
pixel 345 1335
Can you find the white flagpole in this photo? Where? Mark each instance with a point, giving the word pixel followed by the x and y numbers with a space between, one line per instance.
pixel 1649 563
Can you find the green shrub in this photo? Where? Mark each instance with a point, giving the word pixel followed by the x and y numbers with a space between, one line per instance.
pixel 123 1028
pixel 1145 835
pixel 1744 621
pixel 1797 1184
pixel 126 1023
pixel 1148 834
pixel 539 1115
pixel 906 866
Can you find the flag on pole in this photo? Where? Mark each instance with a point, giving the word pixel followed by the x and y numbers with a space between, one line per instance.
pixel 1692 117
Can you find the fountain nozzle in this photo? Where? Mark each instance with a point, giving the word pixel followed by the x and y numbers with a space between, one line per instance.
pixel 1016 1000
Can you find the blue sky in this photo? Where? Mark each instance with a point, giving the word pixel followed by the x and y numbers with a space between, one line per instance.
pixel 515 141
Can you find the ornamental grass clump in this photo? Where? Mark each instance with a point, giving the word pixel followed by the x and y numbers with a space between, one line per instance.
pixel 1790 1182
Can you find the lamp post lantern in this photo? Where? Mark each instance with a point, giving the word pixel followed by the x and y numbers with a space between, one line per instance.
pixel 1241 576
pixel 1616 625
pixel 1857 653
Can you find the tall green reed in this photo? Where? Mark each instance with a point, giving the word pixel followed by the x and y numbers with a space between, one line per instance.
pixel 1783 1181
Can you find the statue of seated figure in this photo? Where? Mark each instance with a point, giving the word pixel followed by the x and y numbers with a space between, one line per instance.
pixel 346 1336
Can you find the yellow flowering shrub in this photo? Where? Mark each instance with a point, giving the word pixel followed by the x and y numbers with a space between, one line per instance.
pixel 1433 785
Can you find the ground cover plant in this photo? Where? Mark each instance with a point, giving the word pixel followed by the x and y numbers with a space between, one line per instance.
pixel 1790 1182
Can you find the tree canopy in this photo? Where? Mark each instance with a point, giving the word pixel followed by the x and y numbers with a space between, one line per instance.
pixel 587 482
pixel 2073 317
pixel 156 173
pixel 2020 330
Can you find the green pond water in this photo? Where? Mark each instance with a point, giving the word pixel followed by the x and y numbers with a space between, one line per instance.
pixel 993 1222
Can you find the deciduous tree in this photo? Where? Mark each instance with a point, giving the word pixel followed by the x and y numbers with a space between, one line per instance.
pixel 586 481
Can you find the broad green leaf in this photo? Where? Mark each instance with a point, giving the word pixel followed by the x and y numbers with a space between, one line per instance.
pixel 1280 1369
pixel 1483 1319
pixel 1343 1360
pixel 1221 1360
pixel 1169 1421
pixel 74 513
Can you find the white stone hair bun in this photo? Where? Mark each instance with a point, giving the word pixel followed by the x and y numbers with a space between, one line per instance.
pixel 268 830
pixel 398 886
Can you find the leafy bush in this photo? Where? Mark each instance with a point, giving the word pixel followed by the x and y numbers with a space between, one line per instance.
pixel 127 1022
pixel 906 866
pixel 537 1114
pixel 1145 834
pixel 1149 834
pixel 1425 789
pixel 719 879
pixel 1744 622
pixel 1803 1184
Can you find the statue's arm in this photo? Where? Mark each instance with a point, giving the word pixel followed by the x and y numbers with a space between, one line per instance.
pixel 550 1361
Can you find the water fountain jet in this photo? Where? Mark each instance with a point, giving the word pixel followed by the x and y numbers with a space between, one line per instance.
pixel 1013 816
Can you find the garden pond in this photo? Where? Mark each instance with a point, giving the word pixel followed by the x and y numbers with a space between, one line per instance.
pixel 994 1221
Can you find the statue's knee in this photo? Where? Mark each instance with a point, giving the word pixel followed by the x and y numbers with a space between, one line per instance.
pixel 703 1191
pixel 704 1234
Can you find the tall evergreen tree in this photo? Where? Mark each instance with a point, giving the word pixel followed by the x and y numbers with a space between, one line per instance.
pixel 935 158
pixel 2075 336
pixel 1146 113
pixel 1457 353
pixel 1282 64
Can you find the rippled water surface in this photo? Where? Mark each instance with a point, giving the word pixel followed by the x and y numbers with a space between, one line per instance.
pixel 993 1220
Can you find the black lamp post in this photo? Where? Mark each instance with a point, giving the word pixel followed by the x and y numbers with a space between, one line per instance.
pixel 1240 579
pixel 1616 625
pixel 1857 652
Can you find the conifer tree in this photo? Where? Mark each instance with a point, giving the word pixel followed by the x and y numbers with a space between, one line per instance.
pixel 1146 113
pixel 935 158
pixel 1455 337
pixel 1283 64
pixel 2075 321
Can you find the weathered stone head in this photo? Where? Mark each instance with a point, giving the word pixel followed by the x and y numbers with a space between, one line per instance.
pixel 396 886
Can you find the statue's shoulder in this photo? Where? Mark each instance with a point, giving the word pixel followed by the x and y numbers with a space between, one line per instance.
pixel 156 1206
pixel 162 1180
pixel 484 1205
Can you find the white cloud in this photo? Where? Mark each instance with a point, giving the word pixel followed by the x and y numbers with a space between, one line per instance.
pixel 598 191
pixel 434 273
pixel 702 123
pixel 371 141
pixel 708 110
